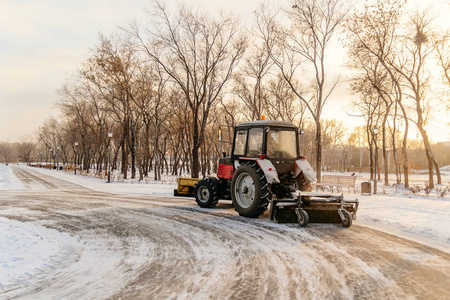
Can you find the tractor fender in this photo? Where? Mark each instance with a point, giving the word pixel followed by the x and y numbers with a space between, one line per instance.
pixel 267 167
pixel 302 165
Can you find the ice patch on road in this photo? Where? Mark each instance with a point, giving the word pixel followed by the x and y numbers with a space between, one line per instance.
pixel 9 181
pixel 29 252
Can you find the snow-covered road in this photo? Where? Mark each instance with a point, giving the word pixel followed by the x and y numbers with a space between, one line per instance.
pixel 84 244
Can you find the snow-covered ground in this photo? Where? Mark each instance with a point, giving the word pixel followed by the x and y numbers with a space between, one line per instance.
pixel 30 251
pixel 8 181
pixel 393 209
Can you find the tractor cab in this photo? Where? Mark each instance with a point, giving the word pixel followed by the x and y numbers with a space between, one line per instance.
pixel 272 146
pixel 276 141
pixel 265 166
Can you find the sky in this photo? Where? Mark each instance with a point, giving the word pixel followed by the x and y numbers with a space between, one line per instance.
pixel 42 42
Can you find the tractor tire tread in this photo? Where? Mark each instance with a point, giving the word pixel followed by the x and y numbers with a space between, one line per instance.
pixel 212 185
pixel 264 202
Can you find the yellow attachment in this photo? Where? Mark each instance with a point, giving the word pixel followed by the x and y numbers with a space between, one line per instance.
pixel 186 185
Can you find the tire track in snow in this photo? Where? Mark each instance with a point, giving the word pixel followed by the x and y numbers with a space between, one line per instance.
pixel 152 247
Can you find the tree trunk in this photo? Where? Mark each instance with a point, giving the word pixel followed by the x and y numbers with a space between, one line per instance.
pixel 318 151
pixel 430 158
pixel 404 146
pixel 386 168
pixel 133 150
pixel 394 147
pixel 195 146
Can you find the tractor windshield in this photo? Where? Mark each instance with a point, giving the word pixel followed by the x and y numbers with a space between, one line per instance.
pixel 281 144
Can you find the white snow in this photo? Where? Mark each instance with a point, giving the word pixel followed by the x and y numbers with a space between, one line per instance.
pixel 421 218
pixel 123 188
pixel 29 251
pixel 8 181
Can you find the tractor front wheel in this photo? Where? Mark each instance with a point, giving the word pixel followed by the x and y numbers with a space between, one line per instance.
pixel 249 190
pixel 205 193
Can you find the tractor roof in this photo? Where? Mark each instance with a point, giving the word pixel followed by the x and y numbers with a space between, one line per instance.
pixel 263 123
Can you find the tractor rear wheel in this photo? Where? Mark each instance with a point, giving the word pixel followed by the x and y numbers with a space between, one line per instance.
pixel 249 190
pixel 205 193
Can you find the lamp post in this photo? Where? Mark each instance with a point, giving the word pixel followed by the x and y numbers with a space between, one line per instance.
pixel 75 162
pixel 375 132
pixel 109 157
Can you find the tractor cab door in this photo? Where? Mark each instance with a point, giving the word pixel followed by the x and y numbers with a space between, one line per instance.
pixel 248 142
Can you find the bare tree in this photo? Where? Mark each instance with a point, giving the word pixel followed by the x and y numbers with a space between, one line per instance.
pixel 412 66
pixel 281 103
pixel 6 152
pixel 441 43
pixel 248 83
pixel 199 54
pixel 371 37
pixel 303 46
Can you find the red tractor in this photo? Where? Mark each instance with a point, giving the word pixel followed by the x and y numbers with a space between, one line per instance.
pixel 265 167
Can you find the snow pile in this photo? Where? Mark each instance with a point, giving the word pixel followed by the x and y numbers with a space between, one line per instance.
pixel 8 181
pixel 29 252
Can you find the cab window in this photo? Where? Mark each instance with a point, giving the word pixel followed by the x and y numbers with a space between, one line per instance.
pixel 255 141
pixel 281 144
pixel 241 139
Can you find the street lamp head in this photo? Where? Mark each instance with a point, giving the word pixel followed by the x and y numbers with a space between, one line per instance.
pixel 375 130
pixel 76 144
pixel 110 134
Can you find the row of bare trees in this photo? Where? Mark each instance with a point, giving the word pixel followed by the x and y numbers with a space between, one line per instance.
pixel 394 52
pixel 19 151
pixel 164 86
pixel 342 151
pixel 153 95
